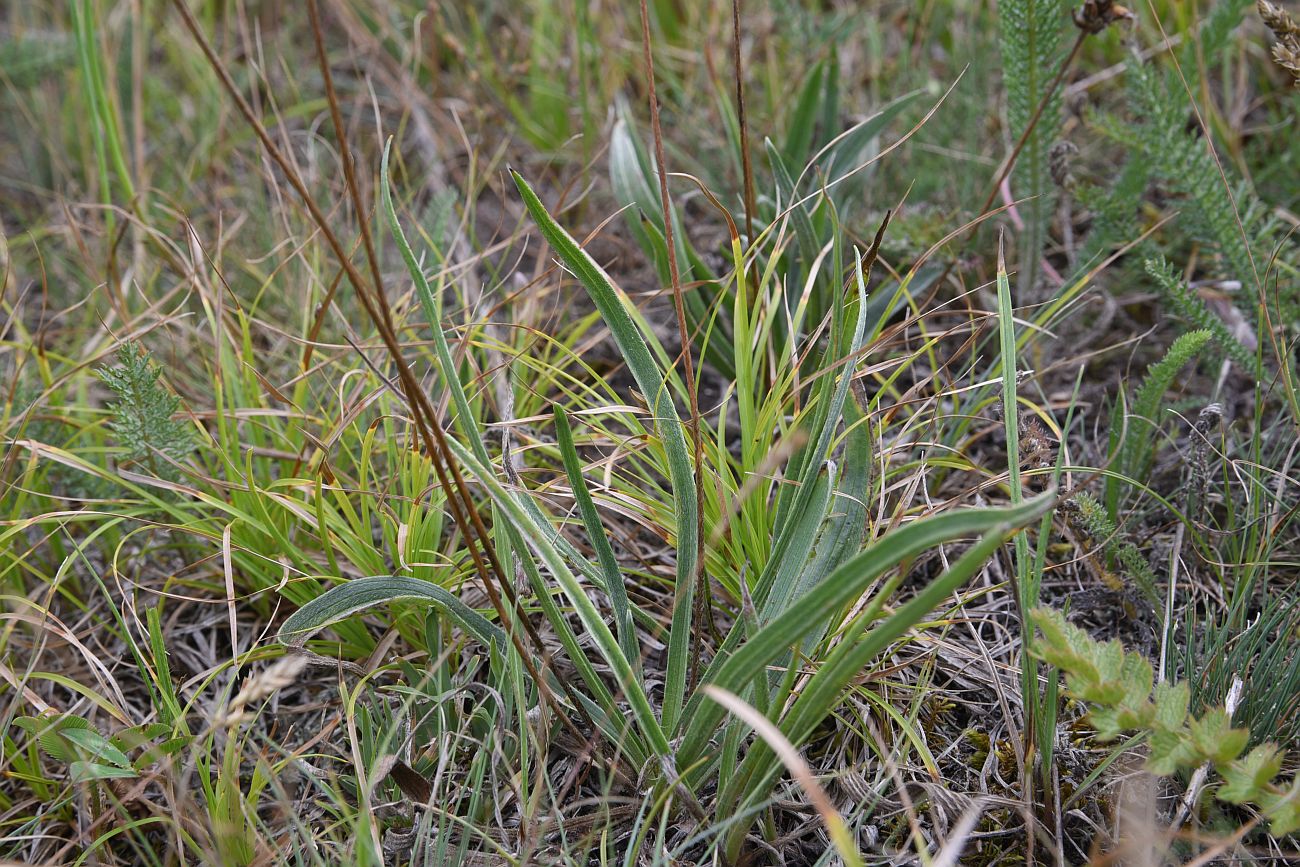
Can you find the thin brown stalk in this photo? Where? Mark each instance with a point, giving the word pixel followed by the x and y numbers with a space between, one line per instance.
pixel 745 165
pixel 703 605
pixel 1010 161
pixel 345 156
pixel 416 394
pixel 425 420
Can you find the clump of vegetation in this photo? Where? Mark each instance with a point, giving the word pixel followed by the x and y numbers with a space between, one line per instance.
pixel 1118 688
pixel 144 422
pixel 647 433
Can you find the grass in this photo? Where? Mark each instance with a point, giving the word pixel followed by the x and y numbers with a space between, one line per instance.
pixel 417 449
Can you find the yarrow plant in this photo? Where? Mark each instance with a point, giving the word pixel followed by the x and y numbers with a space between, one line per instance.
pixel 143 414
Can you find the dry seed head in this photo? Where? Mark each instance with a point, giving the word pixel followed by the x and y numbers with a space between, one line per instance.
pixel 1287 55
pixel 1286 51
pixel 1278 20
pixel 1095 16
pixel 1199 463
pixel 1058 163
pixel 284 672
pixel 1208 418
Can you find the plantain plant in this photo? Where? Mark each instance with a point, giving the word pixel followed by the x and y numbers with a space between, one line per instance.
pixel 800 595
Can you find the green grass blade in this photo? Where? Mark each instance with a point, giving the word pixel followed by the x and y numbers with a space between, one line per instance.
pixel 804 525
pixel 840 588
pixel 820 695
pixel 539 540
pixel 843 160
pixel 614 585
pixel 845 524
pixel 433 313
pixel 804 117
pixel 803 227
pixel 650 379
pixel 833 392
pixel 359 594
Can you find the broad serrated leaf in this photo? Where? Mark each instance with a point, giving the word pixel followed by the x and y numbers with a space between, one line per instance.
pixel 1136 677
pixel 96 746
pixel 1282 807
pixel 48 732
pixel 1170 751
pixel 1171 700
pixel 1215 738
pixel 1060 646
pixel 1106 720
pixel 1244 778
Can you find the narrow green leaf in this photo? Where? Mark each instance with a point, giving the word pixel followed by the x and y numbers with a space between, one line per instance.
pixel 804 526
pixel 832 394
pixel 433 313
pixel 650 379
pixel 841 587
pixel 359 594
pixel 803 119
pixel 803 228
pixel 614 585
pixel 818 698
pixel 842 160
pixel 540 540
pixel 845 525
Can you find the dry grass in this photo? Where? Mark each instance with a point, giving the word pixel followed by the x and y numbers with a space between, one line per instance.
pixel 225 210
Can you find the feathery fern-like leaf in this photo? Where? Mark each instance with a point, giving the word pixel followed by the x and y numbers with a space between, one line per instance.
pixel 1031 39
pixel 142 414
pixel 1192 308
pixel 1132 432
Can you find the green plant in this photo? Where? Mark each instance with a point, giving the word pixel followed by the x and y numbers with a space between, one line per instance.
pixel 1223 214
pixel 798 596
pixel 30 60
pixel 1261 653
pixel 1092 517
pixel 1031 32
pixel 1157 135
pixel 797 222
pixel 1135 421
pixel 1184 299
pixel 142 414
pixel 864 615
pixel 1117 685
